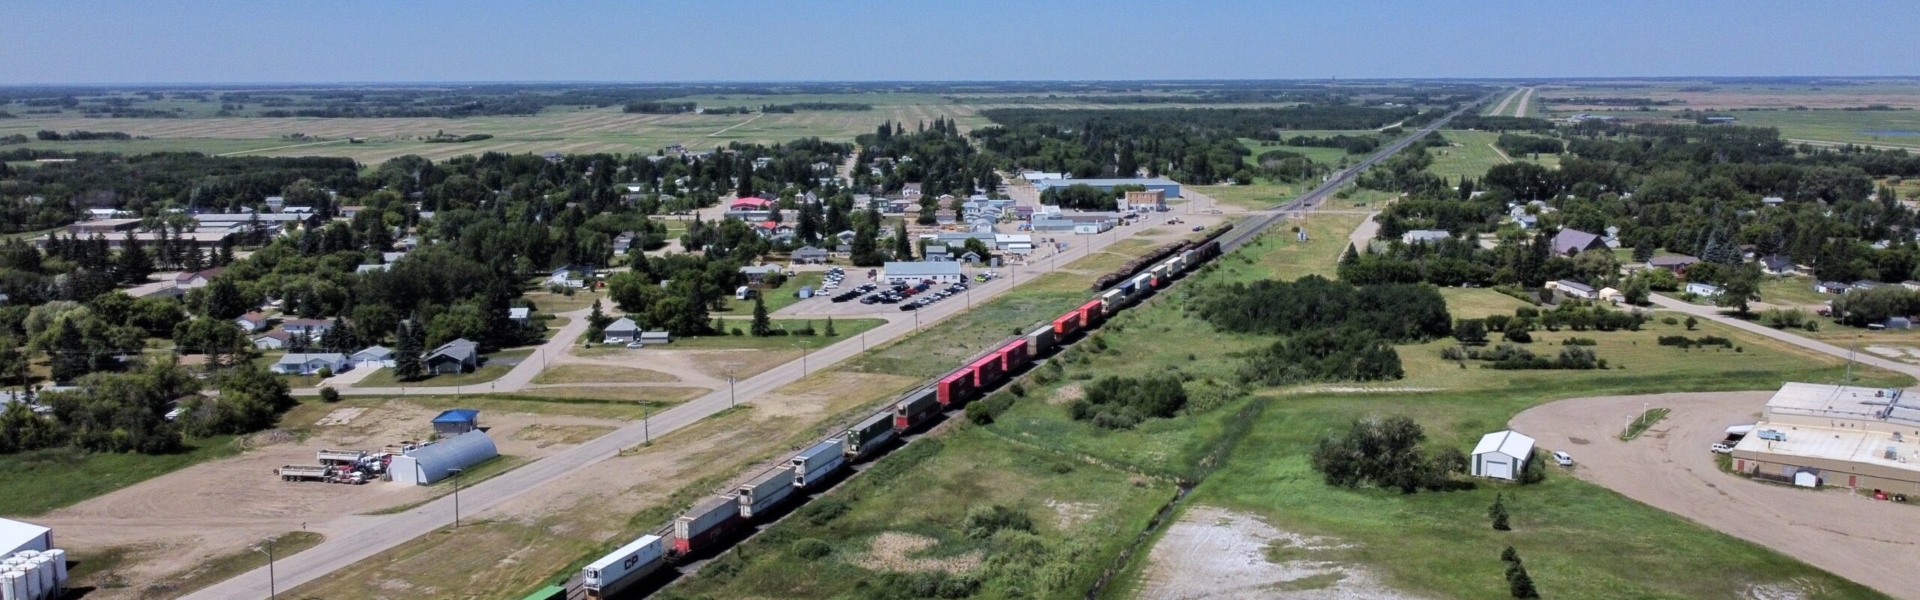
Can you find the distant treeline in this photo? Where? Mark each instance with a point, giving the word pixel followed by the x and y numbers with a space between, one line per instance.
pixel 659 108
pixel 813 106
pixel 1611 101
pixel 448 138
pixel 1527 144
pixel 1351 143
pixel 1491 123
pixel 80 136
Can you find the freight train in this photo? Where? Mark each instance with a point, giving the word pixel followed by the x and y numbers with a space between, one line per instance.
pixel 714 523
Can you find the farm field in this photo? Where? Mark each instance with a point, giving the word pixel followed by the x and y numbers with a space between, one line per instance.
pixel 1329 156
pixel 1474 154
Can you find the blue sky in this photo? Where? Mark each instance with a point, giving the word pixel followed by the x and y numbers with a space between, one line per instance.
pixel 206 41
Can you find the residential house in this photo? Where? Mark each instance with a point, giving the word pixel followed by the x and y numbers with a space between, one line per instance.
pixel 1526 221
pixel 936 253
pixel 1612 237
pixel 1677 263
pixel 373 357
pixel 252 322
pixel 1773 201
pixel 1573 241
pixel 458 356
pixel 312 328
pixel 574 276
pixel 1831 287
pixel 1424 235
pixel 272 340
pixel 809 255
pixel 1865 284
pixel 621 331
pixel 759 274
pixel 519 314
pixel 197 278
pixel 308 363
pixel 623 242
pixel 1705 290
pixel 1778 264
pixel 377 268
pixel 1574 289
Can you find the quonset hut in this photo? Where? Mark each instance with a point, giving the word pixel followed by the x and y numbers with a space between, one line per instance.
pixel 428 464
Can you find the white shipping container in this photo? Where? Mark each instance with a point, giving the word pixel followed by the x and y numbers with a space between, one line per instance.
pixel 706 515
pixel 766 491
pixel 617 570
pixel 820 461
pixel 13 586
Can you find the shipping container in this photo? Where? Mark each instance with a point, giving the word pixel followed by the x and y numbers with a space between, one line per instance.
pixel 986 371
pixel 695 529
pixel 956 388
pixel 869 435
pixel 616 571
pixel 1112 299
pixel 1090 314
pixel 1162 275
pixel 766 492
pixel 819 462
pixel 915 409
pixel 1142 284
pixel 1014 356
pixel 1065 326
pixel 1040 341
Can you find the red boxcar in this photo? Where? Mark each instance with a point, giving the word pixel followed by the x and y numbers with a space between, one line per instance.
pixel 1066 325
pixel 957 388
pixel 987 371
pixel 1090 314
pixel 1014 356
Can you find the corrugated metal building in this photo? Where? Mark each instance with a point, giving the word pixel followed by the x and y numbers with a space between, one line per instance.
pixel 428 464
pixel 1168 186
pixel 16 536
pixel 1856 437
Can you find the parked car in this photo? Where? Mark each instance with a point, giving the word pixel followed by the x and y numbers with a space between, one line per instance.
pixel 1564 459
pixel 635 345
pixel 1723 447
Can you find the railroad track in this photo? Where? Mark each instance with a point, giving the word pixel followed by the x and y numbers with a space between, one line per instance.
pixel 1244 233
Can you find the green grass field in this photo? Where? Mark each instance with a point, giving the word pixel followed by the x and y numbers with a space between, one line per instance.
pixel 776 298
pixel 1474 155
pixel 32 483
pixel 845 328
pixel 493 367
pixel 1791 290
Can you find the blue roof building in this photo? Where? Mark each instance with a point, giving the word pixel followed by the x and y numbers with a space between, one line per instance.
pixel 456 421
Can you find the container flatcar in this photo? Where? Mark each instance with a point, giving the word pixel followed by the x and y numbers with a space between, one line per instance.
pixel 987 371
pixel 870 435
pixel 915 410
pixel 605 578
pixel 819 462
pixel 957 387
pixel 1090 314
pixel 1066 325
pixel 1040 341
pixel 712 518
pixel 766 492
pixel 1014 356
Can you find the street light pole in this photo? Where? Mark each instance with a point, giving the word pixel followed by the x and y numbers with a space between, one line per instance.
pixel 456 496
pixel 731 399
pixel 273 586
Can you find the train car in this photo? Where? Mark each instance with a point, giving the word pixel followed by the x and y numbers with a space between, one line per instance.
pixel 766 492
pixel 915 410
pixel 1189 260
pixel 1040 341
pixel 1112 299
pixel 957 387
pixel 1162 275
pixel 1142 283
pixel 1127 287
pixel 870 435
pixel 1090 314
pixel 697 528
pixel 987 371
pixel 1014 356
pixel 631 563
pixel 1065 326
pixel 819 462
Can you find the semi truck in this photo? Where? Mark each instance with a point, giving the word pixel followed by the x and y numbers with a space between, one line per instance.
pixel 340 457
pixel 621 569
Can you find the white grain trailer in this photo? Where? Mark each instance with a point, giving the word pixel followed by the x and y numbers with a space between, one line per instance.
pixel 819 462
pixel 617 571
pixel 766 492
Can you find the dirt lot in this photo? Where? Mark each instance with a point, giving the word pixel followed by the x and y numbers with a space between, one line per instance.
pixel 1669 467
pixel 170 524
pixel 1215 553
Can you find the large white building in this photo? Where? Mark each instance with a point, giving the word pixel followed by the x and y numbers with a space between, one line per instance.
pixel 1857 437
pixel 1502 455
pixel 916 272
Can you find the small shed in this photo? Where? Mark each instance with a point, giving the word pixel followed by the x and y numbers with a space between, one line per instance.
pixel 1502 455
pixel 655 337
pixel 17 535
pixel 427 464
pixel 455 422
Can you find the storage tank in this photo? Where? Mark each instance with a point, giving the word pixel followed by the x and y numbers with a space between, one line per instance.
pixel 696 528
pixel 616 571
pixel 59 565
pixel 13 586
pixel 766 492
pixel 43 569
pixel 819 462
pixel 34 589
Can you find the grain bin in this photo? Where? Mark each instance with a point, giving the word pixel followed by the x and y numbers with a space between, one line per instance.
pixel 13 586
pixel 59 565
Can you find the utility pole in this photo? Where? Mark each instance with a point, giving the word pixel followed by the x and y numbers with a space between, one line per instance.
pixel 733 401
pixel 456 496
pixel 273 586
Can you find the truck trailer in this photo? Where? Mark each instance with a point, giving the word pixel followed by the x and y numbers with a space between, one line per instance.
pixel 766 492
pixel 697 528
pixel 304 473
pixel 621 569
pixel 819 462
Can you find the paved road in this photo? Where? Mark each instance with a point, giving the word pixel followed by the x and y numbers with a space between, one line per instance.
pixel 362 537
pixel 1713 313
pixel 1873 543
pixel 1521 111
pixel 1502 107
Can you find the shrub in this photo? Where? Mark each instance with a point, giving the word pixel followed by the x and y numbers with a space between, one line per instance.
pixel 1347 354
pixel 811 549
pixel 1669 320
pixel 324 372
pixel 984 521
pixel 1122 402
pixel 1579 341
pixel 825 510
pixel 329 395
pixel 1535 470
pixel 1453 353
pixel 1516 332
pixel 1385 453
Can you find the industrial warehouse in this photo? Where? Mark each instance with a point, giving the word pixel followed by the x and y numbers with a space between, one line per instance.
pixel 1814 434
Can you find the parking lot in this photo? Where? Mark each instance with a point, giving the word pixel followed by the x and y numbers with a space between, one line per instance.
pixel 1671 467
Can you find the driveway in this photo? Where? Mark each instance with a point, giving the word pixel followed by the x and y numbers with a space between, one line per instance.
pixel 1669 467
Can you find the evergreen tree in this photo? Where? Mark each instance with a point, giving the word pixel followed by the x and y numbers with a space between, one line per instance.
pixel 69 356
pixel 407 363
pixel 1519 583
pixel 808 228
pixel 135 265
pixel 762 326
pixel 902 248
pixel 223 299
pixel 830 331
pixel 1350 257
pixel 1498 512
pixel 744 187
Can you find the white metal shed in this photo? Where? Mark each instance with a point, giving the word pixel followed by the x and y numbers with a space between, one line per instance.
pixel 16 536
pixel 428 464
pixel 1501 455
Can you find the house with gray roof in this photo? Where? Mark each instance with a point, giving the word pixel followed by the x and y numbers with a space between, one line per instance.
pixel 1424 235
pixel 1573 241
pixel 308 363
pixel 621 331
pixel 458 356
